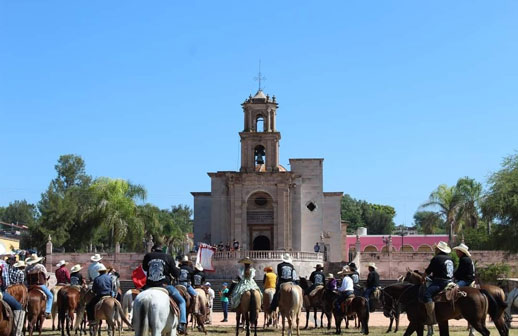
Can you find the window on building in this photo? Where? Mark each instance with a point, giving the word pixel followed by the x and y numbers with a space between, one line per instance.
pixel 311 206
pixel 259 122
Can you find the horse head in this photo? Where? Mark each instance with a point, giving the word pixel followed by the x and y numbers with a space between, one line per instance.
pixel 414 277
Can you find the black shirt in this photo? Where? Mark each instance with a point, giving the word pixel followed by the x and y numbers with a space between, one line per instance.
pixel 441 267
pixel 159 267
pixel 317 278
pixel 76 279
pixel 373 279
pixel 285 272
pixel 466 270
pixel 186 272
pixel 198 278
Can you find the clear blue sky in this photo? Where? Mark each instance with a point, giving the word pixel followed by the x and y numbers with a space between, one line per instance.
pixel 398 97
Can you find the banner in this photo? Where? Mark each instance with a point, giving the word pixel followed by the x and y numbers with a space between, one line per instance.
pixel 204 257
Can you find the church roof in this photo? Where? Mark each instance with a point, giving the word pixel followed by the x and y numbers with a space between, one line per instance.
pixel 260 95
pixel 261 168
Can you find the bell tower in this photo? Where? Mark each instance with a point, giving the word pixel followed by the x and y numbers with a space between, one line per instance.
pixel 259 138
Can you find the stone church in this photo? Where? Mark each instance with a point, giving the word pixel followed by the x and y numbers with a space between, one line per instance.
pixel 265 206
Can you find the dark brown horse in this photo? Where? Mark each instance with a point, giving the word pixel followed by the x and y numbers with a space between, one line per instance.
pixel 473 307
pixel 358 306
pixel 36 309
pixel 6 319
pixel 312 302
pixel 68 303
pixel 391 308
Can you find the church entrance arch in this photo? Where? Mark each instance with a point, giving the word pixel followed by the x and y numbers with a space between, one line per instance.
pixel 259 218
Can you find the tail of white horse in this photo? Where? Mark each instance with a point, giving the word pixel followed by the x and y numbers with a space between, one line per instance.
pixel 127 303
pixel 151 314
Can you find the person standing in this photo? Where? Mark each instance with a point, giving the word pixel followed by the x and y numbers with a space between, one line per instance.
pixel 101 286
pixel 224 301
pixel 62 273
pixel 37 275
pixel 465 273
pixel 211 295
pixel 440 270
pixel 93 269
pixel 235 245
pixel 316 248
pixel 161 268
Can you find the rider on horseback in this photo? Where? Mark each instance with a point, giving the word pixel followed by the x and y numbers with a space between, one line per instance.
pixel 441 272
pixel 16 307
pixel 37 275
pixel 102 286
pixel 198 277
pixel 160 267
pixel 246 282
pixel 346 289
pixel 317 278
pixel 186 273
pixel 465 273
pixel 285 273
pixel 373 281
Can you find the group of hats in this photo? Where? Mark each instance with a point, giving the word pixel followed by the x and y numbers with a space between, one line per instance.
pixel 443 247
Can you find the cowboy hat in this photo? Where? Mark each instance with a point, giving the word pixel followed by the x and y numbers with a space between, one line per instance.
pixel 330 276
pixel 185 258
pixel 102 268
pixel 96 257
pixel 319 266
pixel 345 270
pixel 33 259
pixel 373 265
pixel 286 258
pixel 20 263
pixel 245 260
pixel 268 269
pixel 75 268
pixel 61 263
pixel 443 247
pixel 199 267
pixel 463 248
pixel 207 284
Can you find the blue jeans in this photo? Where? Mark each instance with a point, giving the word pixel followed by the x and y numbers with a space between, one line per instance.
pixel 190 290
pixel 462 283
pixel 436 286
pixel 11 301
pixel 225 310
pixel 50 298
pixel 368 292
pixel 175 294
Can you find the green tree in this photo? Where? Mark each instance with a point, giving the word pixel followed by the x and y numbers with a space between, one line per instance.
pixel 448 202
pixel 501 203
pixel 351 212
pixel 20 212
pixel 469 193
pixel 428 222
pixel 377 218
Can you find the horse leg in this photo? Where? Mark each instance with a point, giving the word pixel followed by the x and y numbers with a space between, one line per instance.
pixel 290 324
pixel 429 329
pixel 479 326
pixel 397 321
pixel 237 322
pixel 297 324
pixel 410 329
pixel 283 324
pixel 307 318
pixel 315 316
pixel 338 322
pixel 390 325
pixel 444 329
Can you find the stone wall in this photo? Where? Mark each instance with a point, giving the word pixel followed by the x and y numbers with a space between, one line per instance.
pixel 391 266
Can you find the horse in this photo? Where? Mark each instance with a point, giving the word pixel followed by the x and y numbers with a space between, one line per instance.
pixel 270 317
pixel 54 311
pixel 6 318
pixel 249 307
pixel 36 309
pixel 67 301
pixel 512 302
pixel 327 305
pixel 312 301
pixel 290 305
pixel 152 314
pixel 201 309
pixel 19 292
pixel 473 307
pixel 110 310
pixel 127 301
pixel 85 297
pixel 358 306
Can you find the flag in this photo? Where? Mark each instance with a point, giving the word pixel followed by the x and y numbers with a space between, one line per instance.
pixel 204 257
pixel 139 277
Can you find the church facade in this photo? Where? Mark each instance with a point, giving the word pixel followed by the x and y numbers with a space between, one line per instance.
pixel 264 206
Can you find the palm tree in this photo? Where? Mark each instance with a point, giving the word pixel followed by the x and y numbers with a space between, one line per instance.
pixel 469 192
pixel 448 201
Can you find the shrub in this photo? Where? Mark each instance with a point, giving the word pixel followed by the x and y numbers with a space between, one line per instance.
pixel 492 272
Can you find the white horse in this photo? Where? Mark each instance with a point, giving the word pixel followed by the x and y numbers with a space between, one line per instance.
pixel 152 314
pixel 512 302
pixel 127 303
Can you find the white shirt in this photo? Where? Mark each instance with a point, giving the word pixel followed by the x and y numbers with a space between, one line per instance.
pixel 347 284
pixel 212 295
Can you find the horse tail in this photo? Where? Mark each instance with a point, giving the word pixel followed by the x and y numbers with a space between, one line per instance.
pixel 140 320
pixel 297 303
pixel 252 307
pixel 492 308
pixel 121 313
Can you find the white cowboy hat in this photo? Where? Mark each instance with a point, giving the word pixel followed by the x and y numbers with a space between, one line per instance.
pixel 96 257
pixel 61 263
pixel 463 248
pixel 442 246
pixel 185 258
pixel 286 258
pixel 20 263
pixel 345 270
pixel 33 259
pixel 199 267
pixel 330 276
pixel 75 268
pixel 101 268
pixel 373 265
pixel 207 284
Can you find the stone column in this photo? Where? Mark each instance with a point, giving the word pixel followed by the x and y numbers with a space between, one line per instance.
pixel 149 244
pixel 48 252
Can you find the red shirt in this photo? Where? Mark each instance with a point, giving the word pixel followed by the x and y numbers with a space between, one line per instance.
pixel 63 275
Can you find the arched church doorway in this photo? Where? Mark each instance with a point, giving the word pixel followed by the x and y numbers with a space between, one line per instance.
pixel 261 243
pixel 259 220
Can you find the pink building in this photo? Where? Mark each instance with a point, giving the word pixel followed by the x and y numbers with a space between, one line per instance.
pixel 410 243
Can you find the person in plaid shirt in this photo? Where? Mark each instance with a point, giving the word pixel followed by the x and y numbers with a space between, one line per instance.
pixel 17 273
pixel 35 267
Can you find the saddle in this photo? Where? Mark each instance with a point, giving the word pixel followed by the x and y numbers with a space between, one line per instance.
pixel 135 292
pixel 451 293
pixel 37 288
pixel 172 303
pixel 315 291
pixel 377 293
pixel 344 306
pixel 99 304
pixel 6 310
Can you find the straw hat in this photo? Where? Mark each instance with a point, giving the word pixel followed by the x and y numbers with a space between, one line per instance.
pixel 345 270
pixel 61 263
pixel 245 260
pixel 96 257
pixel 33 259
pixel 286 258
pixel 319 266
pixel 101 268
pixel 463 248
pixel 443 247
pixel 75 268
pixel 330 276
pixel 19 264
pixel 268 269
pixel 373 265
pixel 199 267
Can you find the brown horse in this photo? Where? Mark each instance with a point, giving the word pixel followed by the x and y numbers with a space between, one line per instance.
pixel 20 293
pixel 68 301
pixel 358 306
pixel 290 305
pixel 312 301
pixel 473 307
pixel 110 310
pixel 270 317
pixel 36 309
pixel 249 307
pixel 6 318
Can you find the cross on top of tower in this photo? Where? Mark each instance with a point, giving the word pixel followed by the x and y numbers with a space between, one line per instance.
pixel 260 76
